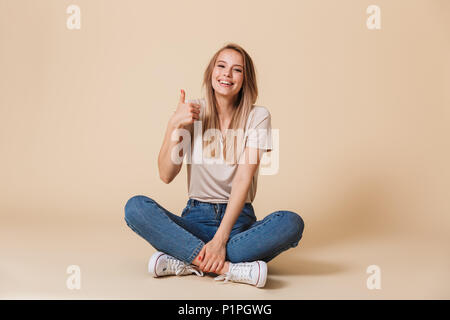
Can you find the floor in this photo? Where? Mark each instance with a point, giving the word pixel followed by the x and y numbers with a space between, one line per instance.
pixel 113 260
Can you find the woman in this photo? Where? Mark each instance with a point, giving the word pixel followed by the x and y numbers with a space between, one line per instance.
pixel 217 231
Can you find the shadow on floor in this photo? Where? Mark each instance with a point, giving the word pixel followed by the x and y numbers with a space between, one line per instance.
pixel 292 265
pixel 289 265
pixel 274 283
pixel 359 211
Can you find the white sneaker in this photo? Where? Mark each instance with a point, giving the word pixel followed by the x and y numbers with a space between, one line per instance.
pixel 161 264
pixel 254 273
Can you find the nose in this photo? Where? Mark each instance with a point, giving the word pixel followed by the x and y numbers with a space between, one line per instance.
pixel 227 73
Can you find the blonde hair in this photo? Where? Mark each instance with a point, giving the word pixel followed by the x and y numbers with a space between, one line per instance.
pixel 244 104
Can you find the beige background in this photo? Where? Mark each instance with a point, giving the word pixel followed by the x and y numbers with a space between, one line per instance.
pixel 364 150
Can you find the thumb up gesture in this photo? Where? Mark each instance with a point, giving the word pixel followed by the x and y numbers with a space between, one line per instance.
pixel 186 113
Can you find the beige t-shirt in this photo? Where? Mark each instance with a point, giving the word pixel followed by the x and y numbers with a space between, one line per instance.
pixel 211 182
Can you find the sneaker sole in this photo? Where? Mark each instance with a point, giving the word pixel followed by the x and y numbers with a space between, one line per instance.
pixel 152 264
pixel 262 274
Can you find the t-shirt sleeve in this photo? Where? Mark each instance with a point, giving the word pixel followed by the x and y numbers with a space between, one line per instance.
pixel 259 134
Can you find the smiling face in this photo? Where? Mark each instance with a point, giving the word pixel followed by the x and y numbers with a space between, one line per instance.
pixel 228 73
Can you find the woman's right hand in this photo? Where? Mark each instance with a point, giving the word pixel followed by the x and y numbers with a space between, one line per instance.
pixel 186 113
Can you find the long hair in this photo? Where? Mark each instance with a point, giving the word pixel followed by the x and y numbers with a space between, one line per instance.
pixel 244 104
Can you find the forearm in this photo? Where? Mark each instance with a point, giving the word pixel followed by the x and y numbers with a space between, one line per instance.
pixel 235 204
pixel 167 168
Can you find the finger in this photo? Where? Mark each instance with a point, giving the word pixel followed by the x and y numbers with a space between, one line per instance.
pixel 192 119
pixel 200 256
pixel 214 266
pixel 198 260
pixel 219 267
pixel 204 264
pixel 205 260
pixel 182 96
pixel 195 110
pixel 208 265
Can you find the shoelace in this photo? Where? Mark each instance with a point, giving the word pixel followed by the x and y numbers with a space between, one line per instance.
pixel 180 267
pixel 238 272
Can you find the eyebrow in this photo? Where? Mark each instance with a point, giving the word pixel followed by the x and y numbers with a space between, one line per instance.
pixel 235 64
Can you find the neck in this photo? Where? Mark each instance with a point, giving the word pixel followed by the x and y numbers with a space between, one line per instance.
pixel 225 106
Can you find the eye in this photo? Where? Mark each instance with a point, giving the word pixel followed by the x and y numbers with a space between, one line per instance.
pixel 222 66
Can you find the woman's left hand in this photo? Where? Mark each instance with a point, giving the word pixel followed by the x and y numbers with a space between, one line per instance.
pixel 212 256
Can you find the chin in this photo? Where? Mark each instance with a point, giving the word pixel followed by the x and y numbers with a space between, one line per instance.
pixel 225 92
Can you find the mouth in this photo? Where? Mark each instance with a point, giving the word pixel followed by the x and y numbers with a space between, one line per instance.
pixel 225 83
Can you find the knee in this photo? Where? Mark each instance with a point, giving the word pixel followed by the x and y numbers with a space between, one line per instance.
pixel 132 208
pixel 293 226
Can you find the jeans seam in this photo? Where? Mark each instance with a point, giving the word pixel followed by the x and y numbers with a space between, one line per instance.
pixel 196 252
pixel 133 227
pixel 197 249
pixel 217 215
pixel 187 211
pixel 277 251
pixel 188 208
pixel 247 232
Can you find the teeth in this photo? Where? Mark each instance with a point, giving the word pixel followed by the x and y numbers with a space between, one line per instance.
pixel 225 82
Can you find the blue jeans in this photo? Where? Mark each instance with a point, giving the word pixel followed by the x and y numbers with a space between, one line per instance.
pixel 184 236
